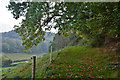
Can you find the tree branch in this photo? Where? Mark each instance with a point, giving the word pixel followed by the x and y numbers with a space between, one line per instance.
pixel 49 19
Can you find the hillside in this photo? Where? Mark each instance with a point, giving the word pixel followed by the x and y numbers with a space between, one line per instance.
pixel 10 34
pixel 82 62
pixel 86 43
pixel 12 43
pixel 71 62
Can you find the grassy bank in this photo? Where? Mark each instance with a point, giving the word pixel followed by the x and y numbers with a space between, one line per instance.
pixel 82 62
pixel 71 62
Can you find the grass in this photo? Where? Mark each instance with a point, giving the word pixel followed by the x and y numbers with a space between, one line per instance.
pixel 14 57
pixel 25 70
pixel 20 62
pixel 71 62
pixel 82 62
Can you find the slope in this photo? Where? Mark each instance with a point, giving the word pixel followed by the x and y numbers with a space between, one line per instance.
pixel 82 62
pixel 71 62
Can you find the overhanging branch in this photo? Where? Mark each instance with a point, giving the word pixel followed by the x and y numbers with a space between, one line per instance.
pixel 49 19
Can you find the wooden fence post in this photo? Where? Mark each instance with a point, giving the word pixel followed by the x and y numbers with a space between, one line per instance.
pixel 51 55
pixel 33 67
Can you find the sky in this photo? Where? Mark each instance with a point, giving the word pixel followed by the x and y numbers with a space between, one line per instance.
pixel 7 21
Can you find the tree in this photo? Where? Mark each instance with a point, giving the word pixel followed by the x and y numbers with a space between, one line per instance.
pixel 60 41
pixel 93 19
pixel 5 47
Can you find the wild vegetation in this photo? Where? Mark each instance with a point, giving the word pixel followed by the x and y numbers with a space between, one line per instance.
pixel 87 43
pixel 96 20
pixel 71 62
pixel 82 62
pixel 6 62
pixel 60 41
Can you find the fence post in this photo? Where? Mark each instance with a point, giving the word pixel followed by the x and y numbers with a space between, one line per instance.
pixel 51 55
pixel 33 67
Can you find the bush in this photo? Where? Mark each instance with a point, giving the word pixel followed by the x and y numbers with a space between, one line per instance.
pixel 6 62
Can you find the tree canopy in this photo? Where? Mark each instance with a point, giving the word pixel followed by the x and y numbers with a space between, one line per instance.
pixel 95 19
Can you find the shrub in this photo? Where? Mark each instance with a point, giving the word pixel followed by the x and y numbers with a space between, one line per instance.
pixel 6 62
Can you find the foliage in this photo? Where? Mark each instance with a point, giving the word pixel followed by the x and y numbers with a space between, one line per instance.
pixel 6 62
pixel 61 41
pixel 11 43
pixel 91 18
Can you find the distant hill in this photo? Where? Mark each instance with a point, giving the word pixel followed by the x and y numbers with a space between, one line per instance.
pixel 10 34
pixel 12 43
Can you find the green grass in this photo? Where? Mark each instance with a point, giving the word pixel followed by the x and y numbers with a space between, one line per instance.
pixel 71 62
pixel 25 70
pixel 82 62
pixel 20 62
pixel 14 57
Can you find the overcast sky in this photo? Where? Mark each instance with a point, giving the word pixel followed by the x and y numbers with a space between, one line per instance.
pixel 7 21
pixel 6 18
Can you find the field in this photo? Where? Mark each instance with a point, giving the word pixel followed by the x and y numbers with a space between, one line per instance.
pixel 18 59
pixel 19 56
